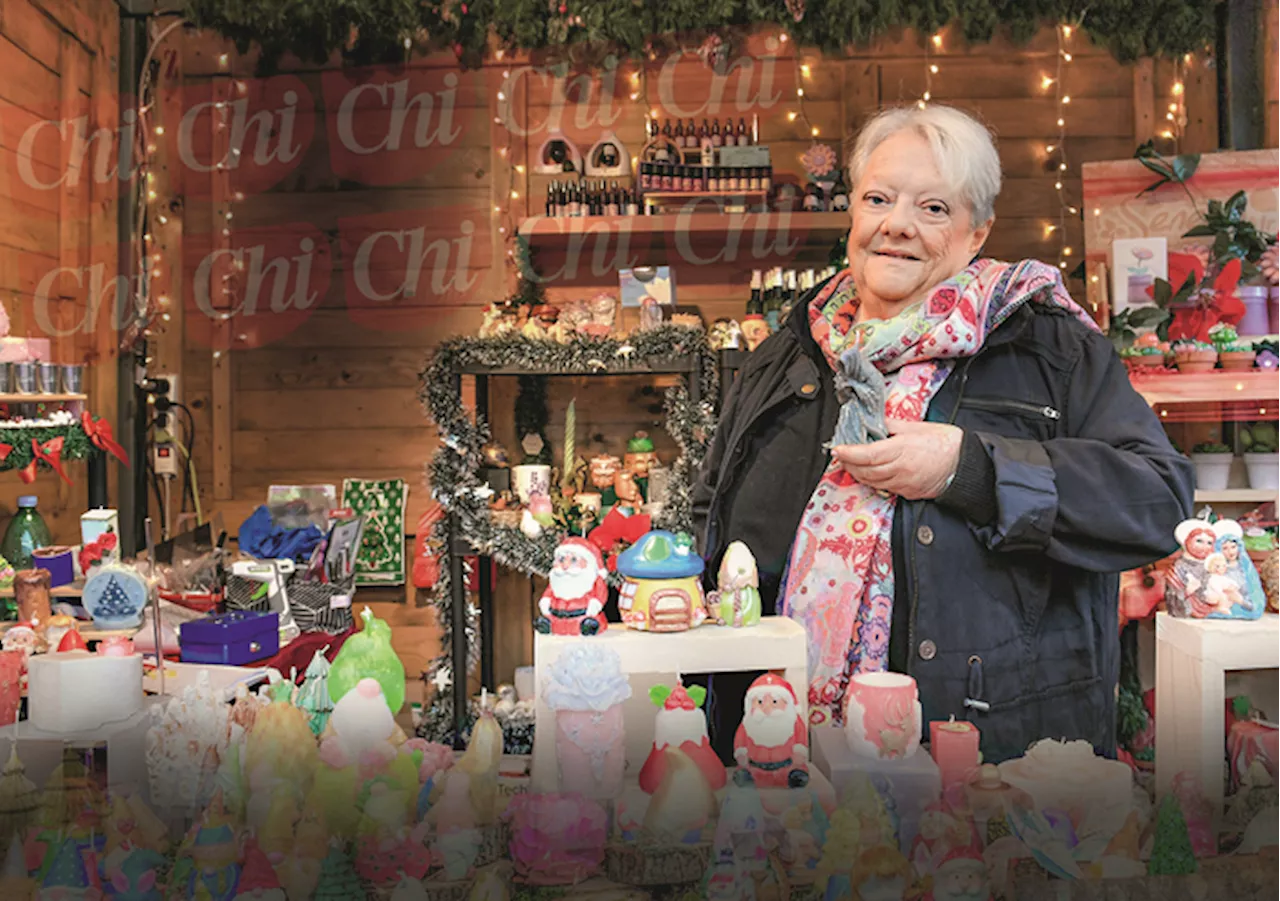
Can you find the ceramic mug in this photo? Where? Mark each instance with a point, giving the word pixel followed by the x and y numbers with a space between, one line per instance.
pixel 530 479
pixel 882 715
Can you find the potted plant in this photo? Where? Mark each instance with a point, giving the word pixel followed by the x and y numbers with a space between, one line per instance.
pixel 1234 355
pixel 1146 351
pixel 1261 459
pixel 1213 465
pixel 1194 356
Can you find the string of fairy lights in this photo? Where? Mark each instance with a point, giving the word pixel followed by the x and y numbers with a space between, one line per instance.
pixel 1058 150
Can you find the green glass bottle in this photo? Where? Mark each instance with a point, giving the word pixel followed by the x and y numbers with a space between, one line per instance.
pixel 27 532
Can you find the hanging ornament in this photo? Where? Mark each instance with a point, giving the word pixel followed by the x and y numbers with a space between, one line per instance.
pixel 796 8
pixel 714 52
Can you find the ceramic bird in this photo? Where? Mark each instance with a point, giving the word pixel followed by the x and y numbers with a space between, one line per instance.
pixel 506 704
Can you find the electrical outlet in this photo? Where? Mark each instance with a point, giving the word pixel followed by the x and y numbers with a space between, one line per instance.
pixel 175 395
pixel 165 459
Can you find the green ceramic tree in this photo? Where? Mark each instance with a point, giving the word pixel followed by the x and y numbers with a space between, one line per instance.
pixel 1171 853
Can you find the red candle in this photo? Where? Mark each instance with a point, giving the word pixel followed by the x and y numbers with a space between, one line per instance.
pixel 955 749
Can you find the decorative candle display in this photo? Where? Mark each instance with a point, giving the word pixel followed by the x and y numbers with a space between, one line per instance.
pixel 661 591
pixel 573 602
pixel 683 804
pixel 586 688
pixel 1070 777
pixel 568 466
pixel 12 663
pixel 955 750
pixel 736 601
pixel 369 653
pixel 556 839
pixel 681 723
pixel 882 715
pixel 31 591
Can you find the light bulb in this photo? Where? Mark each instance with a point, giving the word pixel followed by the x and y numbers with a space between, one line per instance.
pixel 1066 57
pixel 1066 251
pixel 502 96
pixel 927 96
pixel 1046 81
pixel 937 40
pixel 1062 122
pixel 1066 31
pixel 1062 167
pixel 1177 88
pixel 1048 148
pixel 791 116
pixel 223 59
pixel 520 168
pixel 159 129
pixel 933 69
pixel 1066 98
pixel 799 92
pixel 1057 185
pixel 804 70
pixel 814 131
pixel 515 195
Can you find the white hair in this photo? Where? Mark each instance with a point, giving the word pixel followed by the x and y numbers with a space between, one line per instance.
pixel 963 150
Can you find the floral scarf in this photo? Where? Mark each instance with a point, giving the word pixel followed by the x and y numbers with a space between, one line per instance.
pixel 839 578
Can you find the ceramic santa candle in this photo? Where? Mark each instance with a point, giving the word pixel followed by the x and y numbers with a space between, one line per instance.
pixel 681 724
pixel 772 742
pixel 573 603
pixel 882 715
pixel 955 749
pixel 586 688
pixel 962 876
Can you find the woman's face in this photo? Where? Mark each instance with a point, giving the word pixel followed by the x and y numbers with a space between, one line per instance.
pixel 1200 544
pixel 911 229
pixel 1231 551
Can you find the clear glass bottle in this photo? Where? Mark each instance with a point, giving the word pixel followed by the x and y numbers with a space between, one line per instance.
pixel 27 532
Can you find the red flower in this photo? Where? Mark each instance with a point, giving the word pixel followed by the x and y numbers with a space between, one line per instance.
pixel 1208 304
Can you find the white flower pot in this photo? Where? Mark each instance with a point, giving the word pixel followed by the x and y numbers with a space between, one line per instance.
pixel 1212 471
pixel 1264 470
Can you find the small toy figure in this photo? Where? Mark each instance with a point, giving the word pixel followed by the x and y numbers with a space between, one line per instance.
pixel 573 603
pixel 881 873
pixel 736 601
pixel 962 876
pixel 772 742
pixel 1213 577
pixel 662 591
pixel 640 455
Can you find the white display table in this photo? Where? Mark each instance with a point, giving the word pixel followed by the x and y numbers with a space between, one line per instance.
pixel 1192 656
pixel 651 658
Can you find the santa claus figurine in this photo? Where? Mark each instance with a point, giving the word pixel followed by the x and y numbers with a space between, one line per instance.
pixel 962 876
pixel 680 724
pixel 772 744
pixel 573 603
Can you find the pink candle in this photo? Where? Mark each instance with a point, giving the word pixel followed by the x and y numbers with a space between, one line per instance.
pixel 955 749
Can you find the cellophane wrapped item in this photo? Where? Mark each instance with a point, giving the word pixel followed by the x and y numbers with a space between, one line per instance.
pixel 186 743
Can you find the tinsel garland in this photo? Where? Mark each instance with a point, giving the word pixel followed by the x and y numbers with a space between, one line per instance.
pixel 387 31
pixel 76 444
pixel 454 471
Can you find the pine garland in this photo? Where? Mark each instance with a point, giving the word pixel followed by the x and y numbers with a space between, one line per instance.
pixel 454 471
pixel 76 444
pixel 386 31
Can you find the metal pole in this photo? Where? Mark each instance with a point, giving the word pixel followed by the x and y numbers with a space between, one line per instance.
pixel 458 611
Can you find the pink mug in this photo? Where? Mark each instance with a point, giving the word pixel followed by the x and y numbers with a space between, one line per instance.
pixel 882 715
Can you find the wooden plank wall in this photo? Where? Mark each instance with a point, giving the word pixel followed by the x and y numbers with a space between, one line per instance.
pixel 58 210
pixel 1269 37
pixel 330 393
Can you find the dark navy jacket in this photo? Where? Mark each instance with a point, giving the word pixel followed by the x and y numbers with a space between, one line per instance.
pixel 1005 586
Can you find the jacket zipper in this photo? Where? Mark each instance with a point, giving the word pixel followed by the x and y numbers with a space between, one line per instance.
pixel 1000 405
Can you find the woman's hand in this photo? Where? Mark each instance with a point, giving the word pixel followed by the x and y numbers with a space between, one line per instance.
pixel 916 461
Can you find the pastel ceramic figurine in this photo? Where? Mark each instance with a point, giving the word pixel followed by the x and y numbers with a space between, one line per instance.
pixel 882 715
pixel 683 803
pixel 573 603
pixel 680 723
pixel 1213 577
pixel 661 591
pixel 369 653
pixel 737 597
pixel 208 867
pixel 772 742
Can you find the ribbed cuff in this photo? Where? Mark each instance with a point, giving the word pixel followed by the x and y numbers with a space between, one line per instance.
pixel 973 490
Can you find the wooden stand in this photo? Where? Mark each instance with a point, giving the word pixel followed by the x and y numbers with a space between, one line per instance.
pixel 777 643
pixel 1192 657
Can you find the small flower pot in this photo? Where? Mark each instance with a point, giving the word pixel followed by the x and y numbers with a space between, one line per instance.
pixel 1236 360
pixel 1147 361
pixel 1212 471
pixel 1196 360
pixel 1264 470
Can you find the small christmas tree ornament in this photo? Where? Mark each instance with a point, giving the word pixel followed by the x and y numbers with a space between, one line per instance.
pixel 115 596
pixel 19 798
pixel 313 696
pixel 339 880
pixel 369 654
pixel 1171 852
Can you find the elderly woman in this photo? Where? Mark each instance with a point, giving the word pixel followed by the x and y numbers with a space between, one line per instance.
pixel 940 464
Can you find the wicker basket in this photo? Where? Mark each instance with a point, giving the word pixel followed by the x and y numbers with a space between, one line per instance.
pixel 310 602
pixel 637 864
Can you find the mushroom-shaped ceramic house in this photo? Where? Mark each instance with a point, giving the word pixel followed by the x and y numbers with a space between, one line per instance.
pixel 661 591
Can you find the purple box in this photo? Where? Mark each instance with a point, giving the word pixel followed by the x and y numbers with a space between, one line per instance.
pixel 60 563
pixel 234 638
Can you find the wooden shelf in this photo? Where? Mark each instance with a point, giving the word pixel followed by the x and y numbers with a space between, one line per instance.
pixel 686 239
pixel 686 195
pixel 1207 387
pixel 74 590
pixel 1236 496
pixel 41 398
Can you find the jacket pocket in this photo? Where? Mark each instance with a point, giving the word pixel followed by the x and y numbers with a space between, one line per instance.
pixel 1030 409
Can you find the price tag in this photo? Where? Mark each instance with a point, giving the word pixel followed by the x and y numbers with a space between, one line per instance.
pixel 339 601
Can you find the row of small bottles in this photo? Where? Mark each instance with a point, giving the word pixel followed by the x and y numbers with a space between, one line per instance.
pixel 775 291
pixel 659 176
pixel 591 198
pixel 691 137
pixel 816 200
